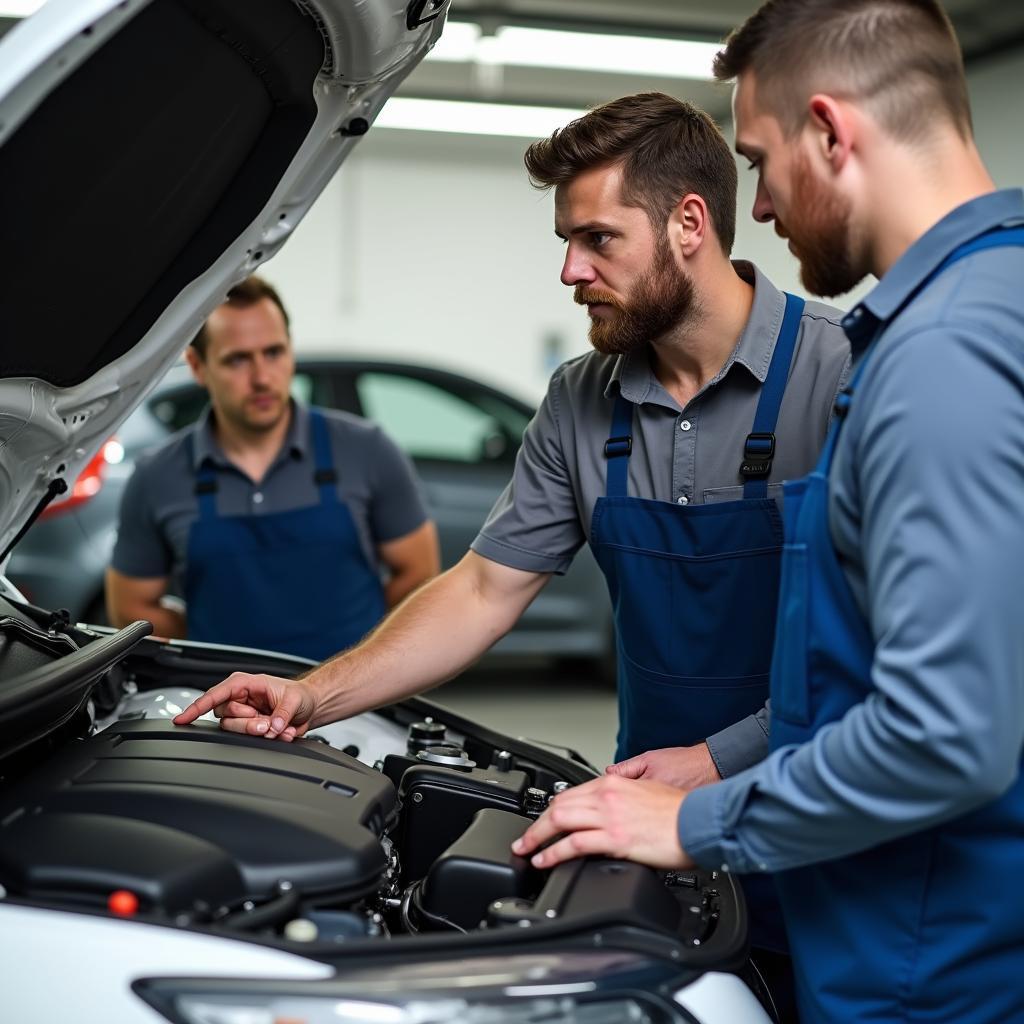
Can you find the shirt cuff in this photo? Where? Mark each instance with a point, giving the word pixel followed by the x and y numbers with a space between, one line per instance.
pixel 701 832
pixel 738 747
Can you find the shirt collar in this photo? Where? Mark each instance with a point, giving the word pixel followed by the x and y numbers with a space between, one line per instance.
pixel 912 269
pixel 205 446
pixel 635 379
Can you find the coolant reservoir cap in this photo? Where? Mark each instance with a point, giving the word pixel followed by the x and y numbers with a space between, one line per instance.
pixel 423 735
pixel 447 754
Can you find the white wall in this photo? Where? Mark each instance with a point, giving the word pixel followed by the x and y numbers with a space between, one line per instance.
pixel 997 101
pixel 434 248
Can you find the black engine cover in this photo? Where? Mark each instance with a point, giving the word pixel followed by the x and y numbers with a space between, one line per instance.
pixel 179 815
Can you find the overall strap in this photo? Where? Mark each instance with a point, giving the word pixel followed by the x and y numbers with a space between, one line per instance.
pixel 996 239
pixel 617 448
pixel 759 448
pixel 324 474
pixel 205 488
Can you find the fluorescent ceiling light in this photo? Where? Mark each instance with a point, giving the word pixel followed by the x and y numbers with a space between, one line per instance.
pixel 580 51
pixel 19 8
pixel 473 118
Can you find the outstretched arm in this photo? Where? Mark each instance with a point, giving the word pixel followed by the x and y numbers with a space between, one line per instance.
pixel 439 631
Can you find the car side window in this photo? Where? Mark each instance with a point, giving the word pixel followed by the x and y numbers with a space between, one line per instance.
pixel 430 422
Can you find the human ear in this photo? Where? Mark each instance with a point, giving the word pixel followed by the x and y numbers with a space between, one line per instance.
pixel 833 125
pixel 689 223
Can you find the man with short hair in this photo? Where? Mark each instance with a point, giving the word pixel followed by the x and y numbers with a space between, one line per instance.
pixel 274 521
pixel 892 805
pixel 664 449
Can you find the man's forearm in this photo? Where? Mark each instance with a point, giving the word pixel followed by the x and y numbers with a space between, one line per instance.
pixel 439 631
pixel 167 622
pixel 400 585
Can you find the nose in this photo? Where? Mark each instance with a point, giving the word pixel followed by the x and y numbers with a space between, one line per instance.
pixel 576 269
pixel 260 369
pixel 764 211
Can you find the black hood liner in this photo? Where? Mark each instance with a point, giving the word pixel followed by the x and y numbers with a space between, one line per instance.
pixel 132 178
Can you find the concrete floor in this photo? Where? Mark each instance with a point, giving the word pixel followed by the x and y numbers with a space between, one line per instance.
pixel 563 706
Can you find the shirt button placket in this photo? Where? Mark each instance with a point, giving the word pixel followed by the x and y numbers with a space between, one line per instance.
pixel 683 463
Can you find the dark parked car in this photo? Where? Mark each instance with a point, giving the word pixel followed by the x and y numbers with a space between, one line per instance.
pixel 461 434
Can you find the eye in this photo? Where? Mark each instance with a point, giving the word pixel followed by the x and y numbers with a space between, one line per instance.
pixel 598 238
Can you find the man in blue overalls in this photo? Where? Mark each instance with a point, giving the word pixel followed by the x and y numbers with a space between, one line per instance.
pixel 892 806
pixel 286 528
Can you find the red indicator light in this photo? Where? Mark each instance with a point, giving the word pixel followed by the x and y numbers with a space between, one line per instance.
pixel 123 903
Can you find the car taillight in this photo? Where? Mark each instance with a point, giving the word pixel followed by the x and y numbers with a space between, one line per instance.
pixel 89 481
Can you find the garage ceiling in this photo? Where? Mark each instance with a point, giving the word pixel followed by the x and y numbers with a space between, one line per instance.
pixel 985 28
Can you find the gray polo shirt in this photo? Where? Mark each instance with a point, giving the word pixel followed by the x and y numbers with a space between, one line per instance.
pixel 375 480
pixel 688 455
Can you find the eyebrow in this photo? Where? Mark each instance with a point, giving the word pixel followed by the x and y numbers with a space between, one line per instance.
pixel 587 228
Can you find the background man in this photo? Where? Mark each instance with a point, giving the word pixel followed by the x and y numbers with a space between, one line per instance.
pixel 275 521
pixel 662 448
pixel 892 803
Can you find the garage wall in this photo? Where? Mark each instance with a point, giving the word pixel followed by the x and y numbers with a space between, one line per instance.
pixel 434 248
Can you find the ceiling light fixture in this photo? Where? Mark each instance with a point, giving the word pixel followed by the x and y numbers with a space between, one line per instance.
pixel 512 46
pixel 473 118
pixel 19 8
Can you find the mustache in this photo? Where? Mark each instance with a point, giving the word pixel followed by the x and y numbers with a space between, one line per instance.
pixel 589 296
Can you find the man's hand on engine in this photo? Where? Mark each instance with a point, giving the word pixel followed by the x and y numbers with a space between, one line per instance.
pixel 615 817
pixel 258 705
pixel 682 767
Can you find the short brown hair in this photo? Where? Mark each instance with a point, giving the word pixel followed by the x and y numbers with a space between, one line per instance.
pixel 900 56
pixel 667 149
pixel 244 294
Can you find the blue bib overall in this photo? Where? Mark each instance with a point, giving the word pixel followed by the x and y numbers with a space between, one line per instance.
pixel 297 582
pixel 929 927
pixel 694 591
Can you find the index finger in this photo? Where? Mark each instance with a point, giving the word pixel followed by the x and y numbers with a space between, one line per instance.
pixel 536 835
pixel 221 693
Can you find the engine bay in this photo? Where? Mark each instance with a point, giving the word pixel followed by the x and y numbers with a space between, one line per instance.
pixel 395 824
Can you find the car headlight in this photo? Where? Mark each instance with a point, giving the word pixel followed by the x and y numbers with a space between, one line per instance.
pixel 184 1003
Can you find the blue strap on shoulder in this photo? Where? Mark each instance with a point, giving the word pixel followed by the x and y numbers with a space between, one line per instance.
pixel 759 448
pixel 206 483
pixel 324 474
pixel 618 447
pixel 991 240
pixel 996 239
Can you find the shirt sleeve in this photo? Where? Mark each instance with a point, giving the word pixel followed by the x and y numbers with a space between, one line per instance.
pixel 141 550
pixel 742 744
pixel 938 472
pixel 535 523
pixel 397 506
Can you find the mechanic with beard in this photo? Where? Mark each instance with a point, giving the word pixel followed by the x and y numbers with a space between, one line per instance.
pixel 664 448
pixel 275 520
pixel 892 805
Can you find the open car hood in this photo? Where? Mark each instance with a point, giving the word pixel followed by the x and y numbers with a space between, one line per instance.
pixel 153 153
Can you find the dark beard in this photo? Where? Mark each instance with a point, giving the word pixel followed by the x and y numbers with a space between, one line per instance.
pixel 660 300
pixel 820 234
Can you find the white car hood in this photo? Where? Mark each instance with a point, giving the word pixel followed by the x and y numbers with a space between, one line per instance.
pixel 153 153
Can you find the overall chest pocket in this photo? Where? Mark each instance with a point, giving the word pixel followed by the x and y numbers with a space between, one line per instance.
pixel 716 495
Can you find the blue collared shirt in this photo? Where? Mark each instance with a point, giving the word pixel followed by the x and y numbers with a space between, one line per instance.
pixel 926 512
